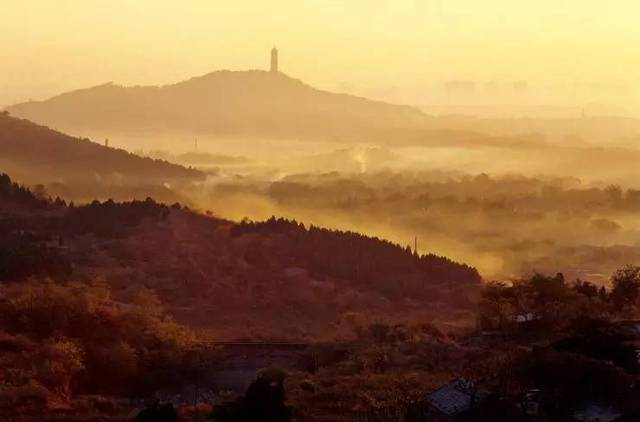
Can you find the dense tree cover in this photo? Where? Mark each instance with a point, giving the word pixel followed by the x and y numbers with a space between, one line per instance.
pixel 263 401
pixel 603 341
pixel 35 227
pixel 521 197
pixel 553 302
pixel 14 192
pixel 626 289
pixel 592 355
pixel 503 225
pixel 362 259
pixel 193 261
pixel 22 255
pixel 24 252
pixel 111 219
pixel 542 300
pixel 577 352
pixel 58 340
pixel 566 382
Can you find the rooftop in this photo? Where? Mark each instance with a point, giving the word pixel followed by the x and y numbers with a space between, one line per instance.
pixel 596 413
pixel 453 398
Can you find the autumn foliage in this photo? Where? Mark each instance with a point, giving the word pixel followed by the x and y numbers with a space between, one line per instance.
pixel 66 339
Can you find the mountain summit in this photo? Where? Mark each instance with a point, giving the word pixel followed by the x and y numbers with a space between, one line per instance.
pixel 252 103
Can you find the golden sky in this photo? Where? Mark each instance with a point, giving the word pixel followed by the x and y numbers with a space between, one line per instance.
pixel 399 50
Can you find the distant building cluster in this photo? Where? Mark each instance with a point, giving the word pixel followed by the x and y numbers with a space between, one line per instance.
pixel 467 87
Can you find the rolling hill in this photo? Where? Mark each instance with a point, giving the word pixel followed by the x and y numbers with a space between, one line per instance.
pixel 271 279
pixel 223 104
pixel 36 154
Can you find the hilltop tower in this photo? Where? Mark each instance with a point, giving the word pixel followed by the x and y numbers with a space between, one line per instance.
pixel 274 60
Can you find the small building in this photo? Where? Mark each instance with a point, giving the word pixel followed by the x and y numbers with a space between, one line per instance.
pixel 524 317
pixel 451 402
pixel 596 412
pixel 509 324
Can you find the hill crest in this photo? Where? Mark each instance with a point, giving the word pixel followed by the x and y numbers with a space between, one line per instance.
pixel 222 103
pixel 232 279
pixel 31 152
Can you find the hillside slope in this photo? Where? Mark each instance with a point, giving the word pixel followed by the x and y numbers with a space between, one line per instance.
pixel 23 143
pixel 225 104
pixel 275 279
pixel 80 168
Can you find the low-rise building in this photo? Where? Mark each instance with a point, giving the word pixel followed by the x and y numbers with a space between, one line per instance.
pixel 596 412
pixel 451 402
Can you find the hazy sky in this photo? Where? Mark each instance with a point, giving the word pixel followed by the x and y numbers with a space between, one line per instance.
pixel 399 50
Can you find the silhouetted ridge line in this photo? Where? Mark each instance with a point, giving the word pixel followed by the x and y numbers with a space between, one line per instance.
pixel 353 256
pixel 224 103
pixel 40 149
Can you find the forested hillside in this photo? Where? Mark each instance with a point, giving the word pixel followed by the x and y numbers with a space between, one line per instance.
pixel 275 279
pixel 39 155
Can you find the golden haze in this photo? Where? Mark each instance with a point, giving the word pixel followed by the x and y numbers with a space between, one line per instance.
pixel 569 53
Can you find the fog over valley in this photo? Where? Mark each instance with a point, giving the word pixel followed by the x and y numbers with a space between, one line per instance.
pixel 370 211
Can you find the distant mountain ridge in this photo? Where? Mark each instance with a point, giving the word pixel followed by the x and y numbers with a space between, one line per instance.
pixel 33 152
pixel 225 104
